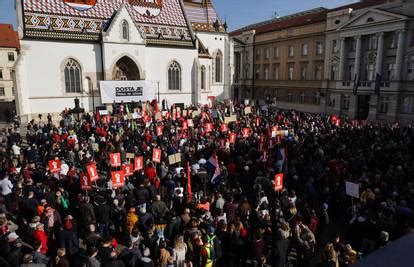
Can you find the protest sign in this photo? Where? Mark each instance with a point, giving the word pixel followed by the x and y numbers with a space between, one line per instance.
pixel 55 166
pixel 352 189
pixel 278 186
pixel 118 179
pixel 115 159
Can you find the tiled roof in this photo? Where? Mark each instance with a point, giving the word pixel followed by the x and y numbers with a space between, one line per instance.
pixel 8 37
pixel 202 16
pixel 171 12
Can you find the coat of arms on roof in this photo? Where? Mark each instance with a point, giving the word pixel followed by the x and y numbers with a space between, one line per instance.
pixel 148 8
pixel 80 5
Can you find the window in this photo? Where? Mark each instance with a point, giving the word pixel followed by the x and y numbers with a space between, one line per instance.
pixel 303 73
pixel 334 72
pixel 372 42
pixel 276 52
pixel 257 54
pixel 318 72
pixel 218 67
pixel 370 72
pixel 257 73
pixel 393 40
pixel 290 73
pixel 319 48
pixel 266 53
pixel 174 76
pixel 125 30
pixel 266 72
pixel 302 97
pixel 346 100
pixel 10 56
pixel 1 73
pixel 2 91
pixel 276 71
pixel 407 104
pixel 13 91
pixel 291 51
pixel 316 98
pixel 352 46
pixel 390 72
pixel 73 77
pixel 289 97
pixel 351 72
pixel 304 49
pixel 370 19
pixel 384 104
pixel 203 78
pixel 335 47
pixel 410 71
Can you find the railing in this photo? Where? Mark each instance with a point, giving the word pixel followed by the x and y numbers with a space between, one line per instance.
pixel 365 83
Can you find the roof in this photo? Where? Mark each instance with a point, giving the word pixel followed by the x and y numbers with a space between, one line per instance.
pixel 8 37
pixel 360 5
pixel 202 15
pixel 86 19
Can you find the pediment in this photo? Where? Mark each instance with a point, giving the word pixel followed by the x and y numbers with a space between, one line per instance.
pixel 372 17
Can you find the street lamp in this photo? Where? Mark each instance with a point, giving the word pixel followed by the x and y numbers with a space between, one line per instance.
pixel 77 111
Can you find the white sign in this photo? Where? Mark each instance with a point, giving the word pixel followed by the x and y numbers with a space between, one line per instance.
pixel 127 91
pixel 352 189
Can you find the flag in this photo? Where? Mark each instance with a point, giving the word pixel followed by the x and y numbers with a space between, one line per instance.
pixel 213 164
pixel 356 84
pixel 378 78
pixel 190 193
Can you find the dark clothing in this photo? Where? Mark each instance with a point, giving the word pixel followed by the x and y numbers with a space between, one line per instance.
pixel 70 241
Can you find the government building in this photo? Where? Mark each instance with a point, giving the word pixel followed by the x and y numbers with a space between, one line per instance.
pixel 355 60
pixel 177 51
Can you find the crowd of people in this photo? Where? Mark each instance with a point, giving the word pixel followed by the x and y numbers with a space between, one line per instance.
pixel 217 203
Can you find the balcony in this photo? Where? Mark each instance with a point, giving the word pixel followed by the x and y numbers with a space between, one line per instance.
pixel 365 84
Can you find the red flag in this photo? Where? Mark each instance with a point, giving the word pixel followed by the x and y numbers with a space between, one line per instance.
pixel 54 166
pixel 278 186
pixel 190 193
pixel 128 169
pixel 156 155
pixel 115 159
pixel 118 179
pixel 139 163
pixel 85 180
pixel 92 171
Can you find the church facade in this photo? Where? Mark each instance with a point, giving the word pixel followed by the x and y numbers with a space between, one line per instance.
pixel 69 46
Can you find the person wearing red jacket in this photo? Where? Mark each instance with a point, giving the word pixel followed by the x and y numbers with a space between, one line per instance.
pixel 40 234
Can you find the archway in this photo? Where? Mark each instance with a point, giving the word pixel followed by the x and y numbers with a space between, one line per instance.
pixel 125 69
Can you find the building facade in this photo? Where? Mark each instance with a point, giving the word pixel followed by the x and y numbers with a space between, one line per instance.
pixel 68 47
pixel 9 46
pixel 353 60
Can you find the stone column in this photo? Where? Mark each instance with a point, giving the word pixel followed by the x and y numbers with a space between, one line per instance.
pixel 358 53
pixel 380 53
pixel 342 60
pixel 399 61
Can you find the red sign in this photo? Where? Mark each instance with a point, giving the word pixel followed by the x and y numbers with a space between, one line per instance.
pixel 160 130
pixel 128 169
pixel 118 179
pixel 278 186
pixel 246 132
pixel 85 181
pixel 115 159
pixel 156 155
pixel 92 171
pixel 185 125
pixel 232 138
pixel 224 127
pixel 54 166
pixel 209 127
pixel 139 163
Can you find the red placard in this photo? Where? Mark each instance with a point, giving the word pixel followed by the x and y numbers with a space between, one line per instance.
pixel 115 159
pixel 54 166
pixel 160 130
pixel 85 181
pixel 232 138
pixel 185 125
pixel 156 155
pixel 139 163
pixel 224 127
pixel 128 169
pixel 209 127
pixel 278 186
pixel 92 171
pixel 118 179
pixel 246 132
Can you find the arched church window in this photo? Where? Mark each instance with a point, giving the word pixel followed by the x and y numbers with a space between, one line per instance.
pixel 218 62
pixel 73 76
pixel 174 76
pixel 203 78
pixel 125 30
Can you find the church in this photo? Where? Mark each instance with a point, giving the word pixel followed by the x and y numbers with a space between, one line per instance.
pixel 177 50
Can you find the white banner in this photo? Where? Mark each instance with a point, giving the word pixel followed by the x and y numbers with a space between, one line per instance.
pixel 352 189
pixel 127 91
